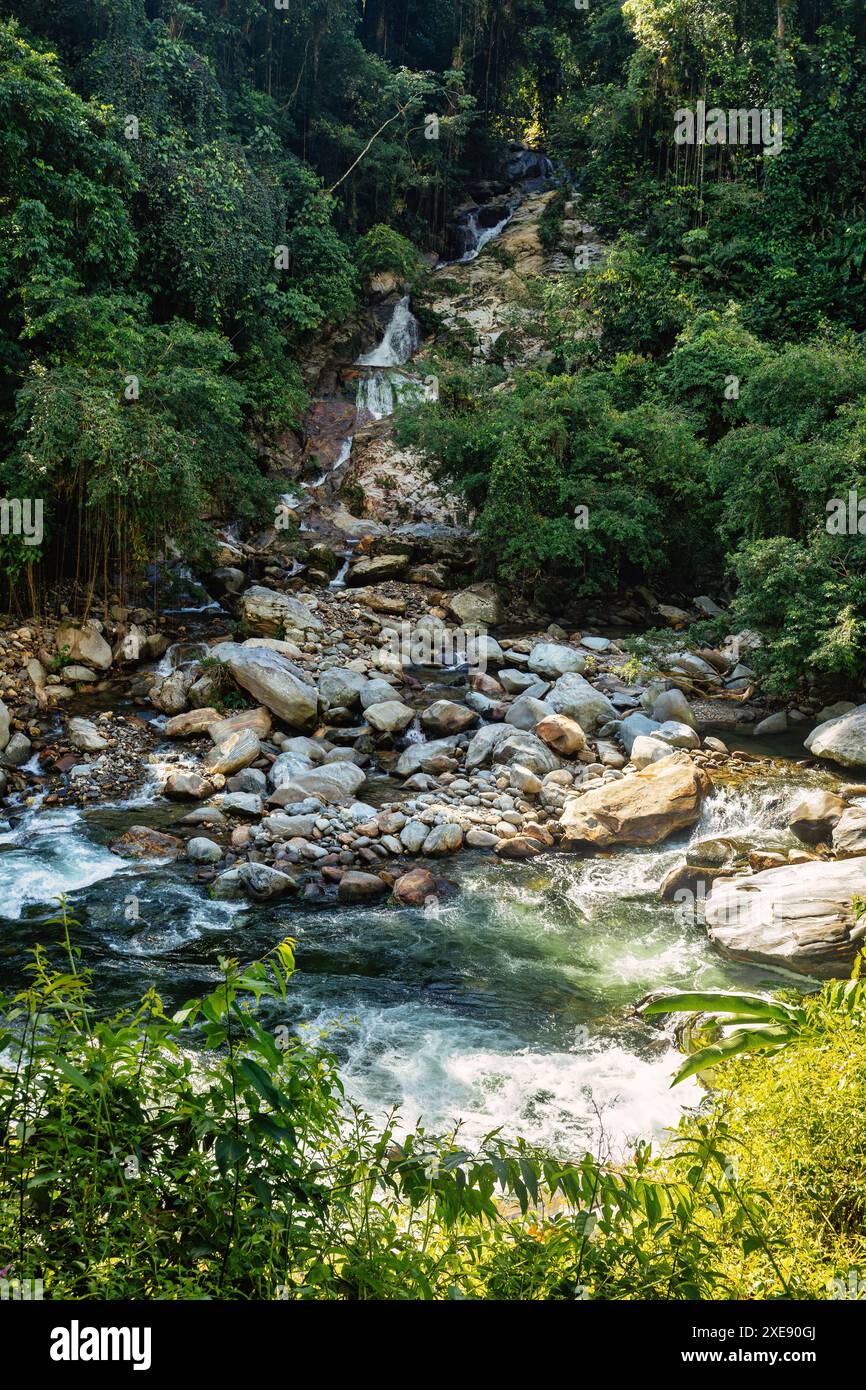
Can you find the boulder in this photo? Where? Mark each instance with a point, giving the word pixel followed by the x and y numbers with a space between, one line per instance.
pixel 357 887
pixel 673 705
pixel 436 756
pixel 646 750
pixel 4 726
pixel 413 835
pixel 187 786
pixel 773 724
pixel 17 751
pixel 84 644
pixel 389 717
pixel 443 839
pixel 445 717
pixel 798 917
pixel 201 850
pixel 562 734
pixel 574 696
pixel 376 692
pixel 375 569
pixel 552 660
pixel 171 694
pixel 842 739
pixel 477 606
pixel 677 735
pixel 273 681
pixel 236 752
pixel 85 736
pixel 415 887
pixel 247 805
pixel 332 782
pixel 636 726
pixel 642 808
pixel 527 750
pixel 191 723
pixel 258 721
pixel 341 688
pixel 519 847
pixel 481 749
pixel 815 815
pixel 141 842
pixel 268 611
pixel 516 682
pixel 262 883
pixel 526 712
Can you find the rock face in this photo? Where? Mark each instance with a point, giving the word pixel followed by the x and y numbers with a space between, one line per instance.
pixel 84 644
pixel 641 809
pixel 273 681
pixel 842 740
pixel 269 611
pixel 798 917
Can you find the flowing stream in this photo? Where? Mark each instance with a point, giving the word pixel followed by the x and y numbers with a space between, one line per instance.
pixel 508 1005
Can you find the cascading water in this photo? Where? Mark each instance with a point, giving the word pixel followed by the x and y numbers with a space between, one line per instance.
pixel 401 341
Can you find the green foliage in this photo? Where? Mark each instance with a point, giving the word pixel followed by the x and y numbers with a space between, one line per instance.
pixel 381 248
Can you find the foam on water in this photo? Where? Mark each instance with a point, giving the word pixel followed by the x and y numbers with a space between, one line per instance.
pixel 440 1070
pixel 47 854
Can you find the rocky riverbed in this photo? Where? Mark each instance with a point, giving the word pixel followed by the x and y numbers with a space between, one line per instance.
pixel 347 740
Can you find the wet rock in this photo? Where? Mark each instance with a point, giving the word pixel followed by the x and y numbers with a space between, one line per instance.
pixel 263 883
pixel 358 887
pixel 142 842
pixel 519 847
pixel 643 808
pixel 85 736
pixel 415 887
pixel 815 816
pixel 170 694
pixel 229 886
pixel 799 917
pixel 258 721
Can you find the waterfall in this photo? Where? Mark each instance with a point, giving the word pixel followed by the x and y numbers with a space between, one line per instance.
pixel 375 396
pixel 471 231
pixel 401 341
